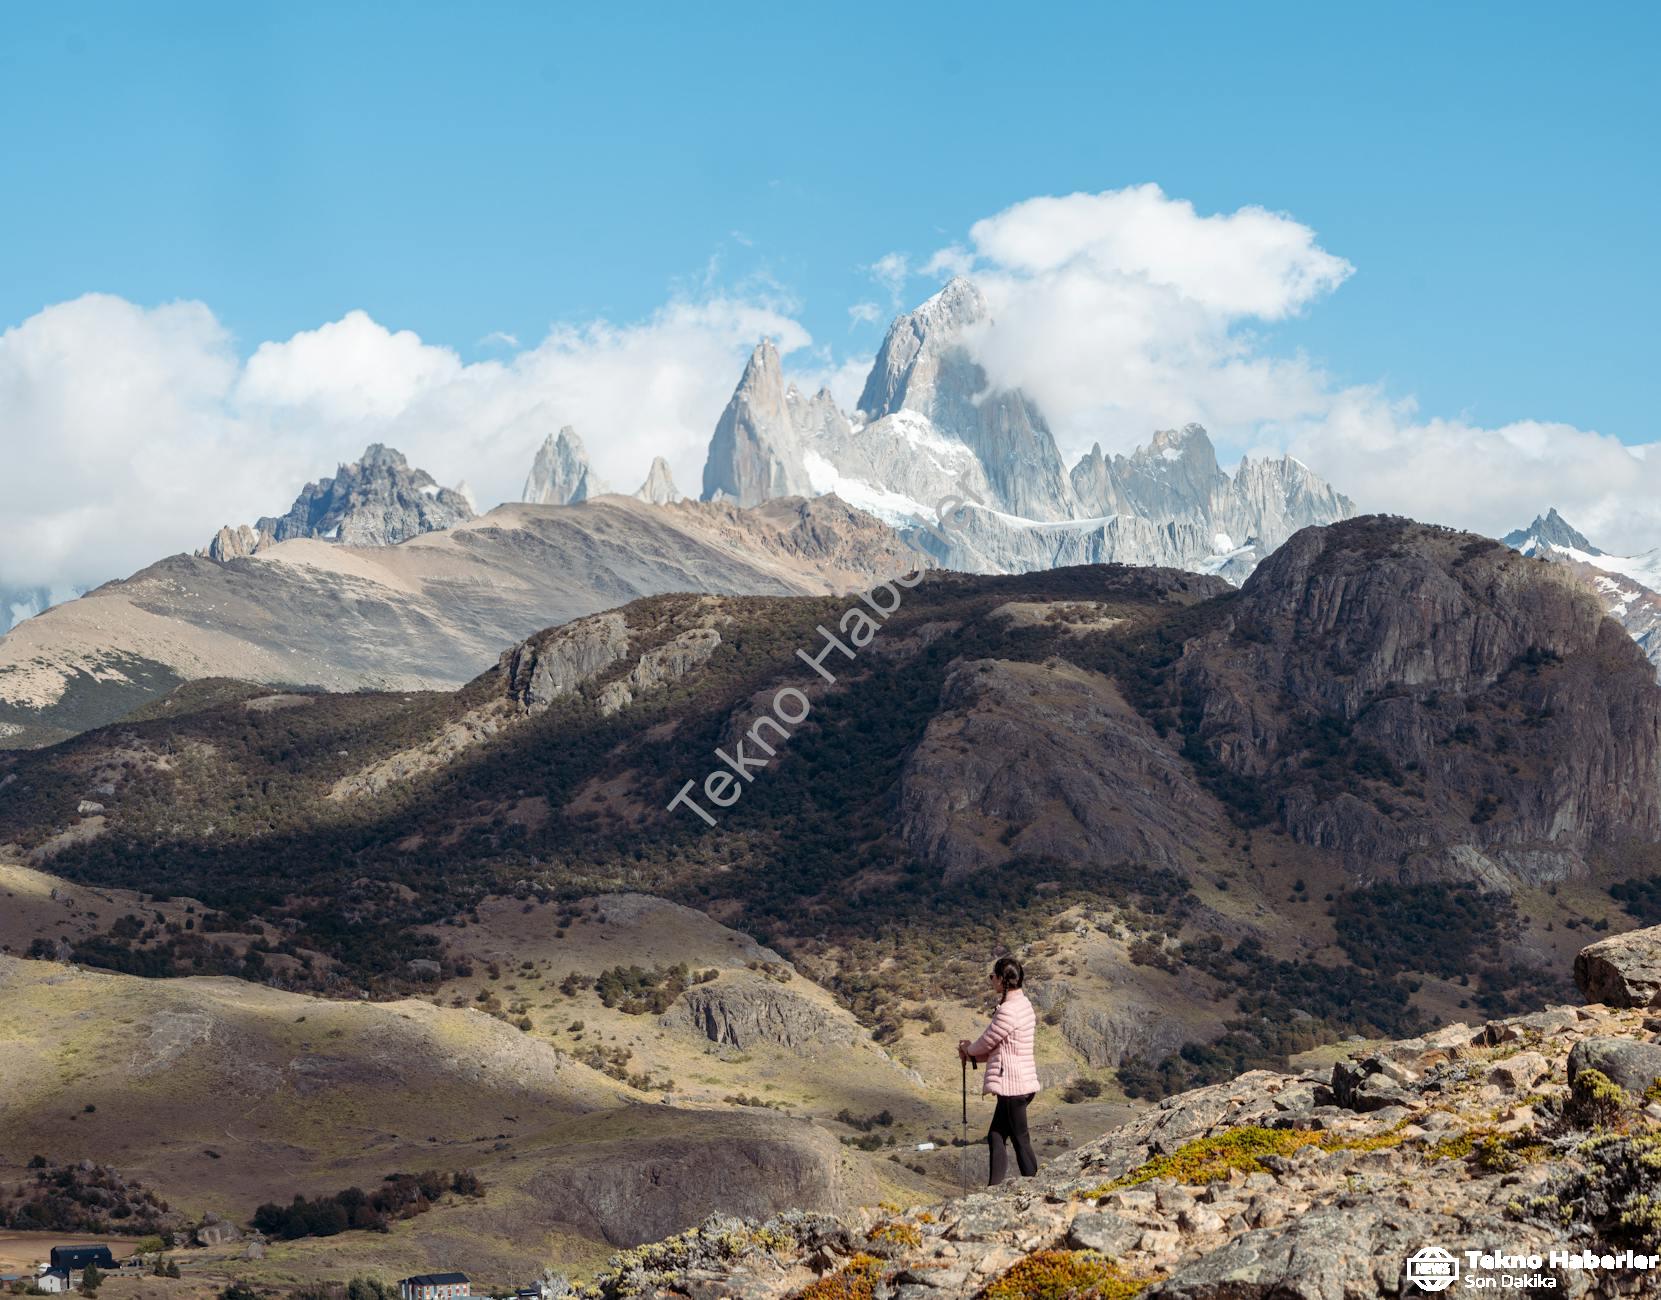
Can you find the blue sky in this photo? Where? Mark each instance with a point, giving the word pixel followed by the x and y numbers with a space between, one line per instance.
pixel 239 242
pixel 1490 170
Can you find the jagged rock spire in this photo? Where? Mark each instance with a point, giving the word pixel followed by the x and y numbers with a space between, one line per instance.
pixel 754 455
pixel 659 487
pixel 561 474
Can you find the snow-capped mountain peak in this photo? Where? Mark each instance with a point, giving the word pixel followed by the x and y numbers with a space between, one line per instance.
pixel 1549 529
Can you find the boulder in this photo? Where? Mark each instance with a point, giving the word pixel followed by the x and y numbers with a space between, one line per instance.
pixel 214 1231
pixel 1104 1231
pixel 1635 1066
pixel 1520 1072
pixel 1624 971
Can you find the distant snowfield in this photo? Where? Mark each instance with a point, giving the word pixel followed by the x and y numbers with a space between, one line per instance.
pixel 1645 568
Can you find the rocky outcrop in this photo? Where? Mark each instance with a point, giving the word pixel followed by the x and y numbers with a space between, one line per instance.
pixel 561 475
pixel 1624 971
pixel 659 487
pixel 667 1168
pixel 660 666
pixel 668 642
pixel 755 455
pixel 1045 761
pixel 1429 704
pixel 377 500
pixel 540 670
pixel 744 1011
pixel 1131 1024
pixel 235 543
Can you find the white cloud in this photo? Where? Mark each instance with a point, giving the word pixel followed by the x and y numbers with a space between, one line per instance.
pixel 1248 263
pixel 1126 311
pixel 864 313
pixel 132 433
pixel 1382 453
pixel 891 271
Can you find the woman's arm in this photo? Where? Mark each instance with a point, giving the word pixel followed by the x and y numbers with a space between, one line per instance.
pixel 1003 1024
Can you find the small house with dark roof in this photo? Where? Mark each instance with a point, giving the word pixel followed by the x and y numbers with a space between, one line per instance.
pixel 53 1281
pixel 74 1259
pixel 435 1286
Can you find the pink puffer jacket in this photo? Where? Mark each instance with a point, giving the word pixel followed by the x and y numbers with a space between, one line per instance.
pixel 1006 1047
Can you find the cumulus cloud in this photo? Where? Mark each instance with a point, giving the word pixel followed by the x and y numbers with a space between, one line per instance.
pixel 1128 311
pixel 133 433
pixel 1388 457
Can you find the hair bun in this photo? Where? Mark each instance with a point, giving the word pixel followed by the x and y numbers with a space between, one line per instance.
pixel 1009 973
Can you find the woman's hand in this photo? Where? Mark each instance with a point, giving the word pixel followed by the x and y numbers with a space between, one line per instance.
pixel 963 1050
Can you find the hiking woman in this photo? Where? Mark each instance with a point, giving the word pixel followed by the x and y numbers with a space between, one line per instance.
pixel 1011 1073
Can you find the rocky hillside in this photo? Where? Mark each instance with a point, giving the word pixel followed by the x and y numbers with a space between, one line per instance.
pixel 1230 825
pixel 1428 706
pixel 429 613
pixel 1532 1143
pixel 589 1120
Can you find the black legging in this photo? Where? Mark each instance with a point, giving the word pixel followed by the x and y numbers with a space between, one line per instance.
pixel 1009 1120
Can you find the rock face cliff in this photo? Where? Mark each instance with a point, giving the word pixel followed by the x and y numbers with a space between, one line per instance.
pixel 754 455
pixel 1428 703
pixel 377 500
pixel 561 475
pixel 743 1011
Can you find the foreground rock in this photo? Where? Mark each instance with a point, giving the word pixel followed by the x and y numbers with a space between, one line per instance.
pixel 1624 971
pixel 1314 1186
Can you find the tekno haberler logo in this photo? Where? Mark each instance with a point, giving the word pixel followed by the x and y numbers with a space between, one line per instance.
pixel 1432 1269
